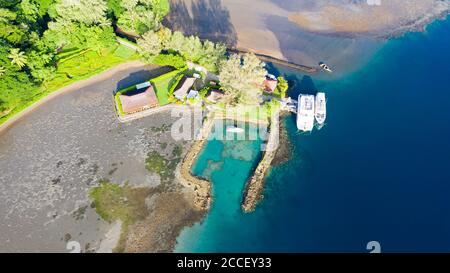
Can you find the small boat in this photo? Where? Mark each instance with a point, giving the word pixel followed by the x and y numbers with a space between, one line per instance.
pixel 234 129
pixel 305 112
pixel 321 108
pixel 271 77
pixel 325 67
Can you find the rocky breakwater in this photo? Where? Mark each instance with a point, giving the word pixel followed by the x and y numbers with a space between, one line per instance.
pixel 200 187
pixel 255 185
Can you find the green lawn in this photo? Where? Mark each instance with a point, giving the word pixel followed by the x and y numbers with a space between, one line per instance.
pixel 86 65
pixel 254 113
pixel 163 84
pixel 124 52
pixel 74 66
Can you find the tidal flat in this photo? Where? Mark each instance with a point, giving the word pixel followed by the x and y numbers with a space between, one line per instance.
pixel 52 158
pixel 342 33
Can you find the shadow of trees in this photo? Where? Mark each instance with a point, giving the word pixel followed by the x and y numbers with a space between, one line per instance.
pixel 295 5
pixel 141 76
pixel 208 19
pixel 298 83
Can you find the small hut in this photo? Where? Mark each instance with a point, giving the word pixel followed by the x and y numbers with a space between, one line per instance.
pixel 183 87
pixel 270 83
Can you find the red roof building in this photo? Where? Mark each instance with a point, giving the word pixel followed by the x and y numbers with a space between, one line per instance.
pixel 270 85
pixel 138 102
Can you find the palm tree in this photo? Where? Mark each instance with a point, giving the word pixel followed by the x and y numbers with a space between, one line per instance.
pixel 17 57
pixel 104 22
pixel 2 71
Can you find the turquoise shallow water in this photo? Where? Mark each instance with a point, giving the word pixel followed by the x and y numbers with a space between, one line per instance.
pixel 228 163
pixel 378 170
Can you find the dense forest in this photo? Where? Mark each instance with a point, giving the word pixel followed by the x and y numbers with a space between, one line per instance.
pixel 46 44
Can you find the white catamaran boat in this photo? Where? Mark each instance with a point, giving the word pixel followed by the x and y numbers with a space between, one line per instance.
pixel 321 108
pixel 305 112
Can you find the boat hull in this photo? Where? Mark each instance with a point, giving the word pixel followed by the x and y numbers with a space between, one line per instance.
pixel 305 112
pixel 232 129
pixel 320 108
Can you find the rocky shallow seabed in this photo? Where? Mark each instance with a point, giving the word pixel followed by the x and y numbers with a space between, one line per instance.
pixel 52 158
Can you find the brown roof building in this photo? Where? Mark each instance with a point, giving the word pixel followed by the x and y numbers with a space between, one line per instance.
pixel 183 88
pixel 138 102
pixel 270 85
pixel 215 95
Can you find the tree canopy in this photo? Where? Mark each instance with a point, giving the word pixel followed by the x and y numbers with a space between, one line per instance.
pixel 33 32
pixel 241 78
pixel 139 16
pixel 88 12
pixel 38 35
pixel 191 48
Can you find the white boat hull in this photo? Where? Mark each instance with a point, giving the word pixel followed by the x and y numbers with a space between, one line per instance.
pixel 305 112
pixel 320 108
pixel 233 129
pixel 326 68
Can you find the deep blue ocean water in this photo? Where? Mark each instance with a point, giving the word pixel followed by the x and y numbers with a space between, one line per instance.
pixel 379 170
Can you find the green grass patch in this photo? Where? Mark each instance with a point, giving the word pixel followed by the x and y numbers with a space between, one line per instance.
pixel 69 53
pixel 255 113
pixel 114 202
pixel 75 66
pixel 164 166
pixel 174 60
pixel 125 203
pixel 173 85
pixel 163 84
pixel 124 52
pixel 125 40
pixel 119 105
pixel 84 66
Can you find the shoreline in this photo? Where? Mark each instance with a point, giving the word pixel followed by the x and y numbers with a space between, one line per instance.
pixel 254 185
pixel 271 59
pixel 201 187
pixel 67 89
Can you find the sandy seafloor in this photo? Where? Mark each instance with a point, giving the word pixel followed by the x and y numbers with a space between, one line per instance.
pixel 269 26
